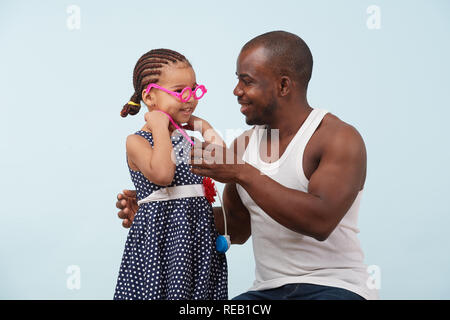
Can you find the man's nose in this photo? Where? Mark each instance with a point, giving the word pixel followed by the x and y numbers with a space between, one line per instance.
pixel 238 91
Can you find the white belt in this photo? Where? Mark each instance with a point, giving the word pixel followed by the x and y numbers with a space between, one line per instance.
pixel 176 192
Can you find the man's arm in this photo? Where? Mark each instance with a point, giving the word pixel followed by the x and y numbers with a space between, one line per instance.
pixel 238 217
pixel 332 188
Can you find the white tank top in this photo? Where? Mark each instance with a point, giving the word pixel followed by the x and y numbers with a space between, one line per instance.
pixel 283 256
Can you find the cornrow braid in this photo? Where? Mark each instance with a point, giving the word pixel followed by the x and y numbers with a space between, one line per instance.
pixel 147 70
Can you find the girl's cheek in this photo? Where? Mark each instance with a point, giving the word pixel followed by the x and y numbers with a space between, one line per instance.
pixel 170 107
pixel 194 105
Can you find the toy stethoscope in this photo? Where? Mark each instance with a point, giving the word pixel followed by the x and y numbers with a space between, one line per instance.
pixel 223 242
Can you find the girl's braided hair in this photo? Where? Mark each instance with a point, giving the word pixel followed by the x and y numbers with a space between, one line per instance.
pixel 147 70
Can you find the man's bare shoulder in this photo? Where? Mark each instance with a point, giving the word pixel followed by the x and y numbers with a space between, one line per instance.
pixel 343 141
pixel 334 131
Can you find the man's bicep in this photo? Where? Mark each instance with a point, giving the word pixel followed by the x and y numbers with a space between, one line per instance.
pixel 341 171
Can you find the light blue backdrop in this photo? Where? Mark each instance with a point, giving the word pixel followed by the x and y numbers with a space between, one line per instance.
pixel 62 139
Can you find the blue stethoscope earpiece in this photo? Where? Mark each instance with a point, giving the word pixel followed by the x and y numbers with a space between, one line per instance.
pixel 223 243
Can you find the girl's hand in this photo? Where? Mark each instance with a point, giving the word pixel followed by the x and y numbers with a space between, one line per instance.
pixel 156 120
pixel 207 131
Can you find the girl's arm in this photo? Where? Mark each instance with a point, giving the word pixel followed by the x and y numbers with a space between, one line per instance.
pixel 210 135
pixel 155 163
pixel 204 127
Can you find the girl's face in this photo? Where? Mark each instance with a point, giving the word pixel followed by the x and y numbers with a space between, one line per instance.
pixel 174 77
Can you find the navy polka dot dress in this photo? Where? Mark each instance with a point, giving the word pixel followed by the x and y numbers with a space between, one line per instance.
pixel 170 249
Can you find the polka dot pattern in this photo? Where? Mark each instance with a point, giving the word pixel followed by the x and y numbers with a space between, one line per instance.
pixel 170 249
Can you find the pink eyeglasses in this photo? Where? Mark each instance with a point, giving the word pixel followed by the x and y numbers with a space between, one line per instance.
pixel 185 94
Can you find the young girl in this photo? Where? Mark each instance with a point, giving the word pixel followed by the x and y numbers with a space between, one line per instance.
pixel 169 252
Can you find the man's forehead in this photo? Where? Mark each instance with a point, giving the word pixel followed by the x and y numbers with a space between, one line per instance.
pixel 254 58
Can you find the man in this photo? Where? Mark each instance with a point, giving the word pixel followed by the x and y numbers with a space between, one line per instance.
pixel 300 200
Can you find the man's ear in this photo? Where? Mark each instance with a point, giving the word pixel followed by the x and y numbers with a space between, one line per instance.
pixel 285 85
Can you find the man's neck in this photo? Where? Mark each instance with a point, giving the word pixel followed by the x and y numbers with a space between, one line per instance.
pixel 289 119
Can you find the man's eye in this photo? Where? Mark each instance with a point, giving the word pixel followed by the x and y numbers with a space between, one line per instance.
pixel 246 82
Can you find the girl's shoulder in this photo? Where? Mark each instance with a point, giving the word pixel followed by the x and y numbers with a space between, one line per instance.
pixel 143 133
pixel 139 139
pixel 147 135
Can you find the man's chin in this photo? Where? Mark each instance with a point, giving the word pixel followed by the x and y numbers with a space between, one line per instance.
pixel 250 122
pixel 253 121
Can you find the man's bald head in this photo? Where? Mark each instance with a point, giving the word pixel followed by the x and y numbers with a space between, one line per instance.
pixel 287 54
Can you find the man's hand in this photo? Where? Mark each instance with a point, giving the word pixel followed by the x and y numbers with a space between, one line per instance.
pixel 128 206
pixel 217 162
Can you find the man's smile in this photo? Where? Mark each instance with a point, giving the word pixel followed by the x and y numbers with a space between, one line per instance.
pixel 244 105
